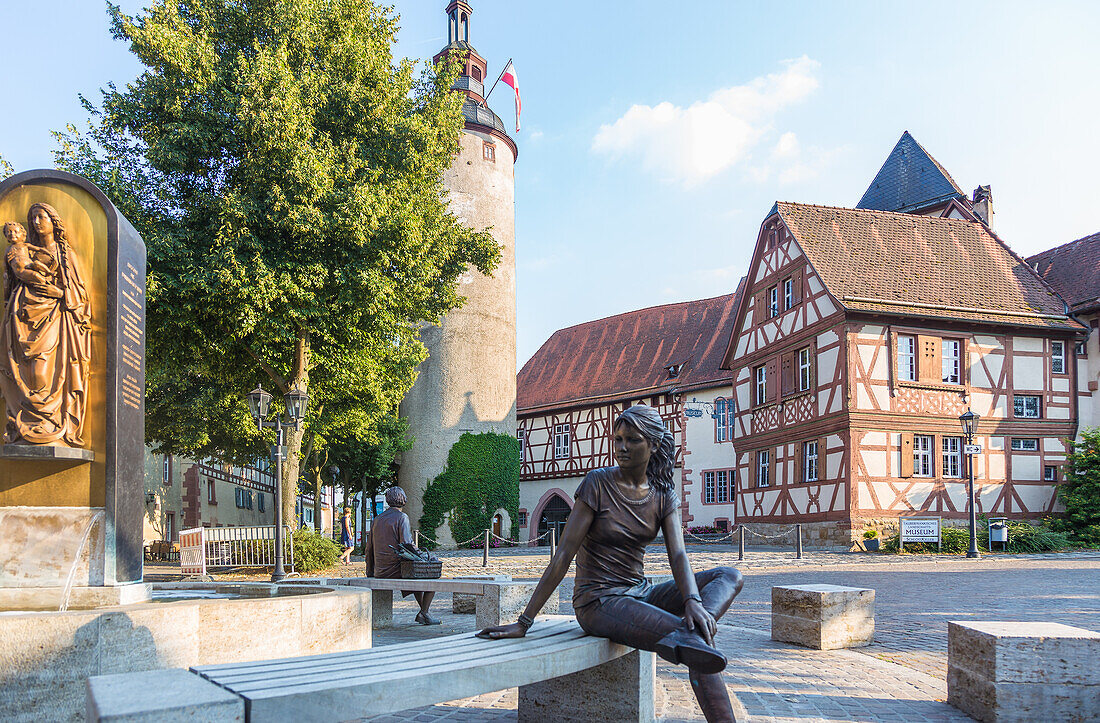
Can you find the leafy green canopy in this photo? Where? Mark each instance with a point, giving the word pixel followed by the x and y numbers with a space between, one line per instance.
pixel 285 174
pixel 482 476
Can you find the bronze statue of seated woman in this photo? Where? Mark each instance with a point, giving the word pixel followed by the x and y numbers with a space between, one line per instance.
pixel 619 510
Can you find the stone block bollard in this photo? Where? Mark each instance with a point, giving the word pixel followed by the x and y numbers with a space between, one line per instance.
pixel 1013 671
pixel 462 603
pixel 825 617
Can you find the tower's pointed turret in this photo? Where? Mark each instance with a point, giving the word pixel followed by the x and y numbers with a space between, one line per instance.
pixel 468 382
pixel 910 180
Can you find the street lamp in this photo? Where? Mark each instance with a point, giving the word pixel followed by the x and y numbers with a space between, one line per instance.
pixel 969 422
pixel 259 404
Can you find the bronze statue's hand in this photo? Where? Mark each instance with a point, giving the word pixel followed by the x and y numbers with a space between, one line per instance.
pixel 515 630
pixel 697 618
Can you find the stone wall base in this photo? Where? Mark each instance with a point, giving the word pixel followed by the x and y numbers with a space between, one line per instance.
pixel 79 598
pixel 833 535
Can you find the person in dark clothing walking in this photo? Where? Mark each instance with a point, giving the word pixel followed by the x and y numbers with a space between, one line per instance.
pixel 388 531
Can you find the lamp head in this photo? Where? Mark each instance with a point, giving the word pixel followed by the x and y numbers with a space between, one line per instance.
pixel 296 401
pixel 259 402
pixel 969 422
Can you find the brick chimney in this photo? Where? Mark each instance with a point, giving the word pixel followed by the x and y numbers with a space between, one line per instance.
pixel 983 205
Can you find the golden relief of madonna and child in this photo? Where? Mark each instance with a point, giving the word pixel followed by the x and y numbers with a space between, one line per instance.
pixel 45 334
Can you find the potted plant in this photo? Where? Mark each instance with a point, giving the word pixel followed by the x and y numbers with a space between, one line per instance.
pixel 870 540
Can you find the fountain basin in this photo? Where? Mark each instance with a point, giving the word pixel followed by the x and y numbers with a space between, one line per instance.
pixel 49 655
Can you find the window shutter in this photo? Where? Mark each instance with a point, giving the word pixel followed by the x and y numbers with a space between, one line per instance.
pixel 798 278
pixel 928 364
pixel 753 464
pixel 789 384
pixel 770 381
pixel 821 466
pixel 771 467
pixel 799 462
pixel 937 459
pixel 906 468
pixel 758 302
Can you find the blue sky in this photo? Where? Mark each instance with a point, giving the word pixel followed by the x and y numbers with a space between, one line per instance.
pixel 656 136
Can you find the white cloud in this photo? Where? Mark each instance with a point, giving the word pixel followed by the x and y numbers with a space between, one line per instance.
pixel 693 144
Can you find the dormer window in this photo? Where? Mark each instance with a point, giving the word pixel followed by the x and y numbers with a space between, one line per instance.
pixel 674 370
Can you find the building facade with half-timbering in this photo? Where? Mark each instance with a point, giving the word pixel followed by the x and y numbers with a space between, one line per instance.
pixel 1073 270
pixel 584 376
pixel 862 335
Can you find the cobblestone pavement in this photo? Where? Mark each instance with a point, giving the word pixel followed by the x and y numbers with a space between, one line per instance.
pixel 899 677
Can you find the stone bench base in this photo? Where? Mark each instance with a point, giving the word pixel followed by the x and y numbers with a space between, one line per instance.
pixel 824 617
pixel 1013 671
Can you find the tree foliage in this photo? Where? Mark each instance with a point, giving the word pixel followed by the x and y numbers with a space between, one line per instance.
pixel 5 169
pixel 482 476
pixel 1080 492
pixel 285 174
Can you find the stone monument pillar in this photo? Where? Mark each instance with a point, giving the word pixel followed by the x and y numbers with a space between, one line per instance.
pixel 72 392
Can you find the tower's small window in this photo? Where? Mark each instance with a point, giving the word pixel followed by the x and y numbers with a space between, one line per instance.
pixel 475 72
pixel 489 151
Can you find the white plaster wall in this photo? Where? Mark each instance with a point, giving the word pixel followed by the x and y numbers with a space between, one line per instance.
pixel 530 492
pixel 1027 343
pixel 705 454
pixel 1027 372
pixel 1027 467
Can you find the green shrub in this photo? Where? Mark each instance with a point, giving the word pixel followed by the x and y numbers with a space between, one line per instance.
pixel 870 534
pixel 956 541
pixel 1080 492
pixel 1022 537
pixel 313 552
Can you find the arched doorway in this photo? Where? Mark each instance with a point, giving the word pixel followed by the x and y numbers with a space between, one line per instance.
pixel 554 515
pixel 498 525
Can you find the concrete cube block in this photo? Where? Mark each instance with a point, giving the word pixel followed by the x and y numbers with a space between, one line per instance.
pixel 825 617
pixel 620 690
pixel 1019 671
pixel 166 696
pixel 503 603
pixel 464 603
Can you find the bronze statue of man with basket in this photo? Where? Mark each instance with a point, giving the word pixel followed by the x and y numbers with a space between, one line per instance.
pixel 391 554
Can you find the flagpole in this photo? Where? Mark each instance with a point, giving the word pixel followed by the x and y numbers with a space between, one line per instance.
pixel 497 80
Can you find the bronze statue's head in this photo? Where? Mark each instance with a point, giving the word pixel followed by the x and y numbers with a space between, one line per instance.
pixel 14 232
pixel 649 424
pixel 55 219
pixel 395 497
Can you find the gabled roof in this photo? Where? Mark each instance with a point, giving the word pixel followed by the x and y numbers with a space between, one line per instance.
pixel 920 266
pixel 1073 270
pixel 909 180
pixel 628 355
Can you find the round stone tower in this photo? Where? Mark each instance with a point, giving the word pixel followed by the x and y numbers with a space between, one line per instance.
pixel 468 382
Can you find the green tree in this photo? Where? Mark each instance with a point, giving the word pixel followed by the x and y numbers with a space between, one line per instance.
pixel 1080 492
pixel 5 169
pixel 286 174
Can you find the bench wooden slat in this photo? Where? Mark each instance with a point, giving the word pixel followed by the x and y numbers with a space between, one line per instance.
pixel 409 680
pixel 391 656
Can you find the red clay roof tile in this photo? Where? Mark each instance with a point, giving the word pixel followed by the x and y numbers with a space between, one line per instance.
pixel 1073 270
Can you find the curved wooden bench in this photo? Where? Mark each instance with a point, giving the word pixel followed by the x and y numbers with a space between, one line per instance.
pixel 563 674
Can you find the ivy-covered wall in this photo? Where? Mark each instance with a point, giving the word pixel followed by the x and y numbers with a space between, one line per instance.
pixel 482 476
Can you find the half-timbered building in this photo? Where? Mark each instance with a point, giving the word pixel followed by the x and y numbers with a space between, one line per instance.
pixel 862 335
pixel 571 390
pixel 1073 270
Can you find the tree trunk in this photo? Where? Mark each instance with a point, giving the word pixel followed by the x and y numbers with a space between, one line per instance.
pixel 299 379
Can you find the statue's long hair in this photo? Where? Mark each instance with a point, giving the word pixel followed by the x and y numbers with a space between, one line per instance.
pixel 58 226
pixel 649 424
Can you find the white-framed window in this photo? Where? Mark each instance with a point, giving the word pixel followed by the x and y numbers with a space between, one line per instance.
pixel 952 457
pixel 761 384
pixel 211 495
pixel 260 501
pixel 809 461
pixel 521 435
pixel 562 441
pixel 922 455
pixel 708 487
pixel 805 370
pixel 523 518
pixel 1057 357
pixel 1050 473
pixel 489 152
pixel 773 301
pixel 907 357
pixel 1026 406
pixel 722 477
pixel 167 470
pixel 788 293
pixel 763 466
pixel 1079 348
pixel 1025 444
pixel 950 360
pixel 722 419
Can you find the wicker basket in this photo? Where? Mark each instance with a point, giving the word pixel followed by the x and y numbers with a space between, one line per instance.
pixel 421 569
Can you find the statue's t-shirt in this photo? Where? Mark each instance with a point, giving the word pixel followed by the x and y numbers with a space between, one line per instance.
pixel 610 559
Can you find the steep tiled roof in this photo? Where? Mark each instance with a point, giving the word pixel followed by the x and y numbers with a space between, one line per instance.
pixel 1073 270
pixel 902 264
pixel 909 179
pixel 627 355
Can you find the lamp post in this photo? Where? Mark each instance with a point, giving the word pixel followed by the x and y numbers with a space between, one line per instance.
pixel 969 422
pixel 259 403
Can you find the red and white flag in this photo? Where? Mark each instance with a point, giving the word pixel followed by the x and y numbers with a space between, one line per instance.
pixel 510 79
